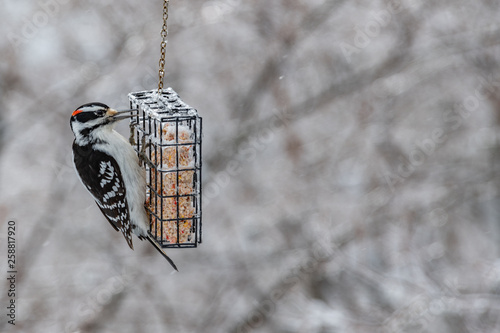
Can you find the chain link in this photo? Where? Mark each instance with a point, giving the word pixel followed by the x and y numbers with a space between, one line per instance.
pixel 164 34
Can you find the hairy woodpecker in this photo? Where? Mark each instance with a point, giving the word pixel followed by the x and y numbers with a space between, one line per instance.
pixel 109 168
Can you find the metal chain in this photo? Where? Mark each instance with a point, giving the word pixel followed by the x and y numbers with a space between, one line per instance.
pixel 164 34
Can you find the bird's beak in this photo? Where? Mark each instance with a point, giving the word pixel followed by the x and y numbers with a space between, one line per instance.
pixel 124 114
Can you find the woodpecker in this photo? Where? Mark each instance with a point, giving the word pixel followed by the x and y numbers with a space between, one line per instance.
pixel 109 168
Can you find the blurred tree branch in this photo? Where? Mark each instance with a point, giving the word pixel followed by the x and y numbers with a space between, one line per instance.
pixel 291 38
pixel 356 81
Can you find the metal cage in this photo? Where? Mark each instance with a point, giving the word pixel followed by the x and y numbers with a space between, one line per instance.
pixel 166 132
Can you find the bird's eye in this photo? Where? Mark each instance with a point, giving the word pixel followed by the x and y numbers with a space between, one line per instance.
pixel 99 113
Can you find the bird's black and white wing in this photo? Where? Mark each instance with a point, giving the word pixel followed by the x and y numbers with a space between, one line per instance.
pixel 101 175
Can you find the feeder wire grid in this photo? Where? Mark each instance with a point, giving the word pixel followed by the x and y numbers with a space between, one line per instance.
pixel 168 133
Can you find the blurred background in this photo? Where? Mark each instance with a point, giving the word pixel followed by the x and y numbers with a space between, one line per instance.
pixel 351 156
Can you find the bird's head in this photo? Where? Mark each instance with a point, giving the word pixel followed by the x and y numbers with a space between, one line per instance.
pixel 89 119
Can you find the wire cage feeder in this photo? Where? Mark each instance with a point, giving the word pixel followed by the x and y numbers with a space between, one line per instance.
pixel 168 132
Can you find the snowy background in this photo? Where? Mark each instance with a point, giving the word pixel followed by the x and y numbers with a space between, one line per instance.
pixel 351 157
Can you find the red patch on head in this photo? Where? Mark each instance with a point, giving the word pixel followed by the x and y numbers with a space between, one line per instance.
pixel 76 112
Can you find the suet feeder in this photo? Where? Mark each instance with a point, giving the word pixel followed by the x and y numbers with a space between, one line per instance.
pixel 167 133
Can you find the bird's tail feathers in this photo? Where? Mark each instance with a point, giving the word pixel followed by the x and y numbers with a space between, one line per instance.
pixel 157 247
